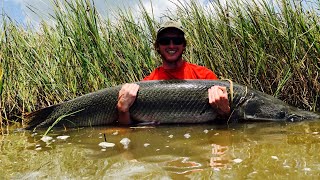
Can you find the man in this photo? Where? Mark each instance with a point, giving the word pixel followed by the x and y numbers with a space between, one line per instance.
pixel 170 44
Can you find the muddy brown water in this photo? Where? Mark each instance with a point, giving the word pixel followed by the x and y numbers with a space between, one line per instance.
pixel 243 151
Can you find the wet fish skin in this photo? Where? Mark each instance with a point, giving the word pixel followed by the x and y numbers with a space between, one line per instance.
pixel 173 101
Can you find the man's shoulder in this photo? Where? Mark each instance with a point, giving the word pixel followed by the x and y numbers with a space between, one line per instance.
pixel 202 72
pixel 154 75
pixel 198 67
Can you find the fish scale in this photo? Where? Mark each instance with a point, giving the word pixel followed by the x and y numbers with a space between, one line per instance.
pixel 172 106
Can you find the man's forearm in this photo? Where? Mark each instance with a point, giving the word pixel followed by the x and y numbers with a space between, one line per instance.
pixel 124 118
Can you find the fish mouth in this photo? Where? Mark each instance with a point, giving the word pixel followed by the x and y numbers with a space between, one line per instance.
pixel 295 115
pixel 302 115
pixel 261 119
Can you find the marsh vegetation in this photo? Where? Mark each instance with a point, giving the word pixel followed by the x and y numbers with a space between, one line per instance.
pixel 271 47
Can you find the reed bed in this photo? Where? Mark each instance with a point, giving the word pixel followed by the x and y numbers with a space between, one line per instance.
pixel 271 47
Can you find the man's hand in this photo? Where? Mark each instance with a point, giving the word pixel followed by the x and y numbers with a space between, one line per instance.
pixel 218 99
pixel 127 96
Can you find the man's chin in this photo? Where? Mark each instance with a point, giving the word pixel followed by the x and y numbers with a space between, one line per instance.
pixel 172 59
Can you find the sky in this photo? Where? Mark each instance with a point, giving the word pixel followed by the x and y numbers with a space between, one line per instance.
pixel 19 10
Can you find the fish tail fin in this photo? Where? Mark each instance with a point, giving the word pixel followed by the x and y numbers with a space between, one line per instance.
pixel 35 118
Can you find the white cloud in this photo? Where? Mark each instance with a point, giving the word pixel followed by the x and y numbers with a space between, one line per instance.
pixel 37 10
pixel 107 8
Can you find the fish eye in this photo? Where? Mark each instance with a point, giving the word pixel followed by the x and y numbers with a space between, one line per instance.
pixel 281 114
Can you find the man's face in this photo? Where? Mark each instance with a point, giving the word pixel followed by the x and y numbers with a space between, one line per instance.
pixel 171 45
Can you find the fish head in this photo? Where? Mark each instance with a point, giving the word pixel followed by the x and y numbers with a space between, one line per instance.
pixel 258 106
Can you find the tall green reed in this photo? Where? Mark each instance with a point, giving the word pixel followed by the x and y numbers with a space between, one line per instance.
pixel 270 47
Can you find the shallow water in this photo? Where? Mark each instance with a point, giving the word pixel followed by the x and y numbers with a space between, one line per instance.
pixel 244 151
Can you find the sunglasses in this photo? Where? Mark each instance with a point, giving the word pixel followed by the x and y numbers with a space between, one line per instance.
pixel 175 40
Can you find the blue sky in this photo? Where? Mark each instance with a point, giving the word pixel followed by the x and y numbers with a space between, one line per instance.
pixel 18 9
pixel 12 9
pixel 19 12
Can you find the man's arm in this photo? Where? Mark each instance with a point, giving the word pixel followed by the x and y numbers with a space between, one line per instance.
pixel 127 96
pixel 218 99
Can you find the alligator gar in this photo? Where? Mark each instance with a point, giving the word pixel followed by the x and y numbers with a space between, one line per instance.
pixel 173 101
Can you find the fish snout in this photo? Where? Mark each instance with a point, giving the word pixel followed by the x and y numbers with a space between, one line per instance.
pixel 300 115
pixel 294 118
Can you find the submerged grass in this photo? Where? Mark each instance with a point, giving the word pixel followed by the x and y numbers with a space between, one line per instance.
pixel 58 120
pixel 271 47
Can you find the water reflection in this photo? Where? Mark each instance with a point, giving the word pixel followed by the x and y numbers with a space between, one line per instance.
pixel 183 165
pixel 220 158
pixel 251 151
